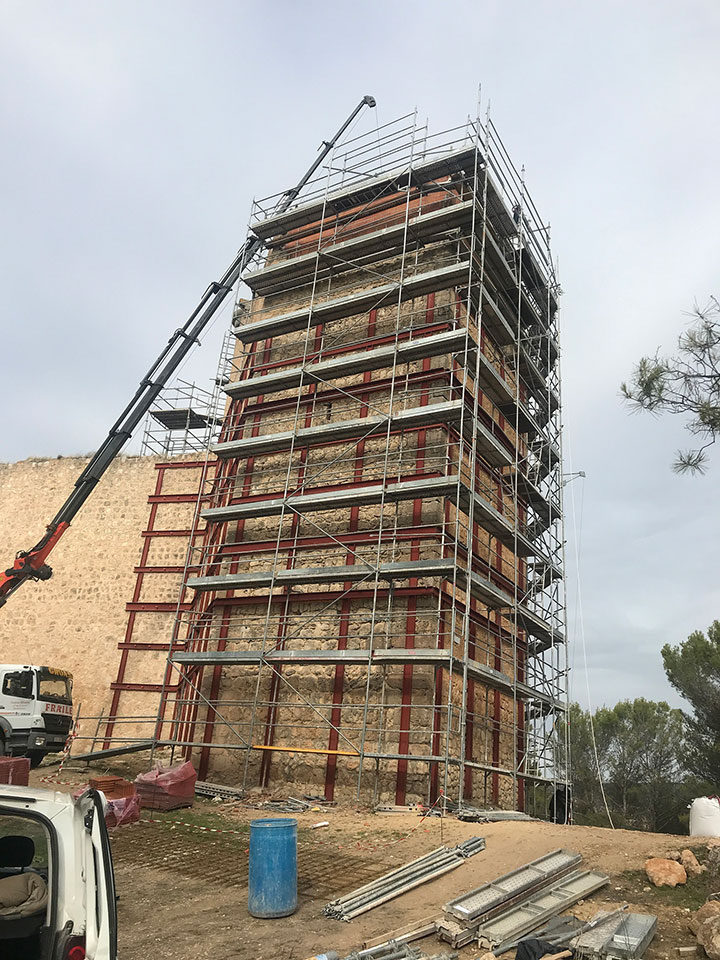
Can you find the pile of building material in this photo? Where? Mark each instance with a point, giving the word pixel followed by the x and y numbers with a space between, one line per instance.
pixel 471 846
pixel 203 788
pixel 167 788
pixel 625 936
pixel 463 811
pixel 501 914
pixel 478 815
pixel 504 910
pixel 392 950
pixel 402 879
pixel 291 805
pixel 15 770
pixel 114 788
pixel 537 909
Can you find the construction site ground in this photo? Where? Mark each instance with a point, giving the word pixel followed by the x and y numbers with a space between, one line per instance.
pixel 182 878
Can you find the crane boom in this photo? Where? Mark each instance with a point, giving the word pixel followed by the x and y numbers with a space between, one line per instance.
pixel 31 564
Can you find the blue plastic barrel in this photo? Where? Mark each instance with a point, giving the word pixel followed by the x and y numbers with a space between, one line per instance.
pixel 273 867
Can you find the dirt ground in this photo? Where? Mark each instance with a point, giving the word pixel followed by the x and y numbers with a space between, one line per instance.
pixel 182 879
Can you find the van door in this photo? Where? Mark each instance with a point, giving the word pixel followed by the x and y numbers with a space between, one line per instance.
pixel 101 910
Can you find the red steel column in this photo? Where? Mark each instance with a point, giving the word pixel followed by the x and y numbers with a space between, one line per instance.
pixel 411 619
pixel 346 604
pixel 273 706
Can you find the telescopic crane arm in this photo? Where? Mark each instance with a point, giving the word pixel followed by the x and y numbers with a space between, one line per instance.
pixel 31 564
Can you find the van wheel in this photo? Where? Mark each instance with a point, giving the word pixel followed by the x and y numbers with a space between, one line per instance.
pixel 3 748
pixel 36 757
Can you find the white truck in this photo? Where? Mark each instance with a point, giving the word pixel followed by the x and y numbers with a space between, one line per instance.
pixel 57 887
pixel 35 710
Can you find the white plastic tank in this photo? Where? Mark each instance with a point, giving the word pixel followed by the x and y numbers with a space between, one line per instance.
pixel 705 817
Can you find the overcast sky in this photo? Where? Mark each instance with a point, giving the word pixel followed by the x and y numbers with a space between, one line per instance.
pixel 135 135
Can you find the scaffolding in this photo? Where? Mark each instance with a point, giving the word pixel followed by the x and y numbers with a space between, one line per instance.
pixel 372 601
pixel 187 418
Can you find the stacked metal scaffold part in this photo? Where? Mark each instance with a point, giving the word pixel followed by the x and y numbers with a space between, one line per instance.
pixel 500 912
pixel 402 880
pixel 378 592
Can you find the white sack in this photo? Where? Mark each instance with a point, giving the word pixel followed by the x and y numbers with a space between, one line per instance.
pixel 705 817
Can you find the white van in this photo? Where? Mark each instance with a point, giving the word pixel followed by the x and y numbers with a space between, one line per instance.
pixel 57 889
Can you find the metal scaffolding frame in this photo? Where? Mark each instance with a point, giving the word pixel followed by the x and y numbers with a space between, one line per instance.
pixel 374 582
pixel 185 417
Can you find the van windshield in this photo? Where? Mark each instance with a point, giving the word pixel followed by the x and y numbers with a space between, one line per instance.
pixel 53 687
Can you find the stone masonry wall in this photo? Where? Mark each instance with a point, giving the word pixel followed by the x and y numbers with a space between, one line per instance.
pixel 76 619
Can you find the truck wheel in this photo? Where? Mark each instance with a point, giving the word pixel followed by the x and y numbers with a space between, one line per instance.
pixel 36 757
pixel 3 747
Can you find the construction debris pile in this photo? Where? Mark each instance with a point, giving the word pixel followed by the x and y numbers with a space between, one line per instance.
pixel 524 910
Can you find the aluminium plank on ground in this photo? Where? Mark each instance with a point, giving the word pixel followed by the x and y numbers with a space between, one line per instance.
pixel 547 902
pixel 492 896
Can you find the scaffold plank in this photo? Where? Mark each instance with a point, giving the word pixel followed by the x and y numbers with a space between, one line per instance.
pixel 527 423
pixel 337 498
pixel 355 303
pixel 346 254
pixel 479 904
pixel 348 364
pixel 450 412
pixel 489 379
pixel 494 319
pixel 545 633
pixel 340 200
pixel 543 505
pixel 533 912
pixel 246 580
pixel 451 486
pixel 359 657
pixel 485 590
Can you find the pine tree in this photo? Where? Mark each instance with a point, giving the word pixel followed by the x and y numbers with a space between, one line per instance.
pixel 688 383
pixel 693 668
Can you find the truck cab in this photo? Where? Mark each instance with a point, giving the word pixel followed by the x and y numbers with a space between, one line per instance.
pixel 57 887
pixel 35 710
